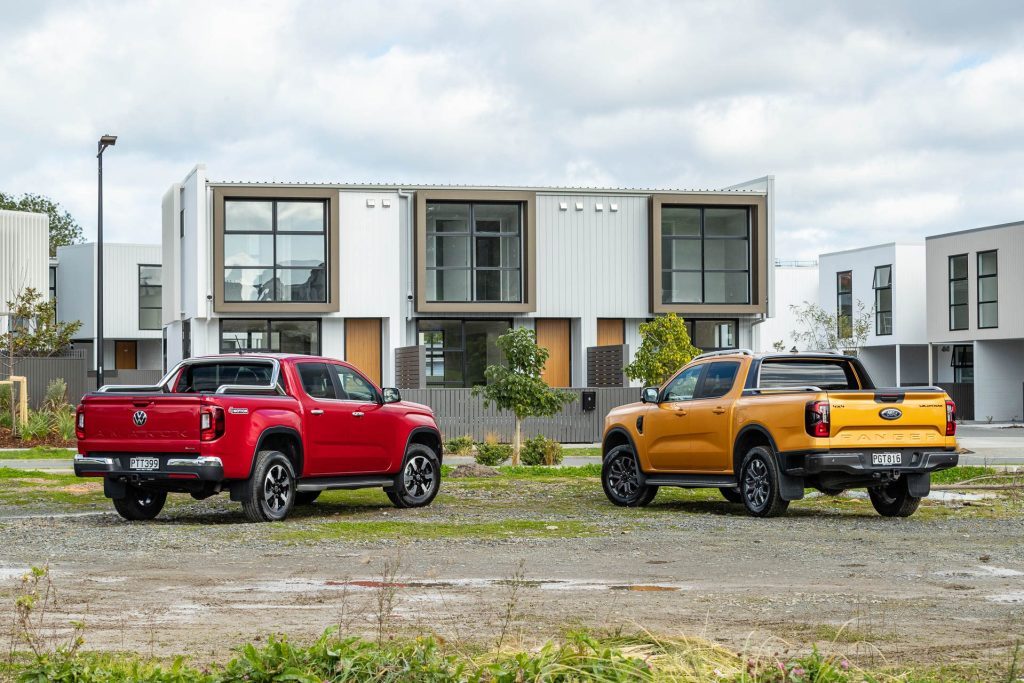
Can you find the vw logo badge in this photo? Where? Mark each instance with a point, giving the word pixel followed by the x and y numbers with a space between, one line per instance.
pixel 139 418
pixel 891 414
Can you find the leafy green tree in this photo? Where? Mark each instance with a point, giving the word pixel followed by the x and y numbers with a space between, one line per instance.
pixel 665 347
pixel 33 329
pixel 820 330
pixel 518 387
pixel 64 229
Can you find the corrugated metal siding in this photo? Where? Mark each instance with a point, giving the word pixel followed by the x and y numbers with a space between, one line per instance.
pixel 76 295
pixel 24 254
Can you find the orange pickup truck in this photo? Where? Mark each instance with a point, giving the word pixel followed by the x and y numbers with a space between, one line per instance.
pixel 762 427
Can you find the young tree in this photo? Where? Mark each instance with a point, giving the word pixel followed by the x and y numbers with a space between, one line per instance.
pixel 664 348
pixel 820 330
pixel 64 229
pixel 32 328
pixel 518 387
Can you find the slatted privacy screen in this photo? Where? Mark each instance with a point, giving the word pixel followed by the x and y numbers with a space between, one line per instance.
pixel 605 366
pixel 459 412
pixel 411 367
pixel 71 366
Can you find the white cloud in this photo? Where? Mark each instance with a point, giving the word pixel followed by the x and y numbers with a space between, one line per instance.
pixel 879 120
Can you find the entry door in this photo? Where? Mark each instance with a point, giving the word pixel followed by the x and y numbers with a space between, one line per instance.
pixel 611 331
pixel 126 355
pixel 362 345
pixel 553 335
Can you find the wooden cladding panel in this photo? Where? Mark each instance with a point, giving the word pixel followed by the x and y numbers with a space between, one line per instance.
pixel 553 335
pixel 611 331
pixel 362 345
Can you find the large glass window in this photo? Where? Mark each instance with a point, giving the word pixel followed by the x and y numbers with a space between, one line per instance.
pixel 712 335
pixel 270 336
pixel 958 292
pixel 474 252
pixel 883 300
pixel 844 304
pixel 150 297
pixel 53 283
pixel 275 250
pixel 962 362
pixel 683 386
pixel 825 374
pixel 988 289
pixel 459 351
pixel 705 255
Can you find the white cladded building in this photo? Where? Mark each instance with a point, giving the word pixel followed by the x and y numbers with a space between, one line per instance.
pixel 361 271
pixel 24 257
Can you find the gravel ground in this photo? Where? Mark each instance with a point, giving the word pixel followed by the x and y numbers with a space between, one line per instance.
pixel 945 584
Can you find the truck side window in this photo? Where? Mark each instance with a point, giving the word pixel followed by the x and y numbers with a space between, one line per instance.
pixel 316 380
pixel 719 379
pixel 353 386
pixel 683 386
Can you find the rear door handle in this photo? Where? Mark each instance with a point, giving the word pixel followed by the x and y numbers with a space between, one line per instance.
pixel 357 413
pixel 680 413
pixel 317 411
pixel 718 411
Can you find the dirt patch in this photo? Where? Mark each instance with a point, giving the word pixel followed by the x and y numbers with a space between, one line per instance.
pixel 8 440
pixel 473 470
pixel 80 489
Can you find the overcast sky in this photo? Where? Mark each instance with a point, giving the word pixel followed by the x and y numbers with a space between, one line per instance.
pixel 880 120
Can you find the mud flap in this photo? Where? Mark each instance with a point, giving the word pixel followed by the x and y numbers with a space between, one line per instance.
pixel 919 485
pixel 113 489
pixel 790 488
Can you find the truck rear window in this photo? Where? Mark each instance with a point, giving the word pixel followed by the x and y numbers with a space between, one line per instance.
pixel 207 377
pixel 824 374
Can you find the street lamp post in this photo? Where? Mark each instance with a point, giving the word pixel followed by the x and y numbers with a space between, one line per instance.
pixel 105 141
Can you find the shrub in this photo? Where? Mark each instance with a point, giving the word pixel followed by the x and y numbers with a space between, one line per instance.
pixel 64 425
pixel 542 451
pixel 492 454
pixel 56 395
pixel 38 425
pixel 459 445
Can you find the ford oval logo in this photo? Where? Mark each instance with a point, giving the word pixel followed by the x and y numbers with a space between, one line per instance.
pixel 139 418
pixel 891 414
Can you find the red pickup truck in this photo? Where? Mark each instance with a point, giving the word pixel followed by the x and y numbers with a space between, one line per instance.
pixel 274 430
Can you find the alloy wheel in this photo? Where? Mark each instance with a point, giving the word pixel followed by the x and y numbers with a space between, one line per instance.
pixel 756 485
pixel 277 488
pixel 419 477
pixel 622 477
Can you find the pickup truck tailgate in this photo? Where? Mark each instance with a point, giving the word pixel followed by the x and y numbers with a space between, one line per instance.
pixel 167 423
pixel 887 418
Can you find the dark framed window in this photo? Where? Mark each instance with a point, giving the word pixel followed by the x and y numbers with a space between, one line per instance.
pixel 270 336
pixel 883 300
pixel 988 289
pixel 962 362
pixel 53 283
pixel 474 252
pixel 718 380
pixel 844 304
pixel 712 335
pixel 705 255
pixel 459 351
pixel 275 250
pixel 958 292
pixel 150 297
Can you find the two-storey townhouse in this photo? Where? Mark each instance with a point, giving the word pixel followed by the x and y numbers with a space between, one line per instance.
pixel 885 283
pixel 976 315
pixel 132 300
pixel 360 271
pixel 24 257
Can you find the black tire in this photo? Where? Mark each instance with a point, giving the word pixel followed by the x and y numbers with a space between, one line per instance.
pixel 419 480
pixel 759 483
pixel 269 494
pixel 306 497
pixel 140 504
pixel 623 481
pixel 732 495
pixel 893 499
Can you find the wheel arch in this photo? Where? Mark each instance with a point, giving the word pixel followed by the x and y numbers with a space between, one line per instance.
pixel 284 439
pixel 751 435
pixel 429 437
pixel 615 437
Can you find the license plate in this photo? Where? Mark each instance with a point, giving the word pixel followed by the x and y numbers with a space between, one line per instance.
pixel 886 458
pixel 145 463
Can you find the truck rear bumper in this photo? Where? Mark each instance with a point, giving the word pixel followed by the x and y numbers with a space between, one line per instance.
pixel 170 469
pixel 859 462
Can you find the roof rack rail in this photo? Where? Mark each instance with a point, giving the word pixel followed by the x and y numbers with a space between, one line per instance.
pixel 726 352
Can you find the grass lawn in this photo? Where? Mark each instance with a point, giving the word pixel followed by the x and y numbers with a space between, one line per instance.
pixel 38 453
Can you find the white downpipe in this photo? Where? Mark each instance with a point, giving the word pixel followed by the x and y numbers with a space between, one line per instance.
pixel 411 235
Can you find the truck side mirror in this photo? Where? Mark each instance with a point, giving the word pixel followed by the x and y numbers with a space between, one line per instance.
pixel 391 395
pixel 649 395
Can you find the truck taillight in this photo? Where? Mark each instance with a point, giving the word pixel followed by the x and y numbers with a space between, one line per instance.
pixel 816 419
pixel 950 418
pixel 79 424
pixel 211 423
